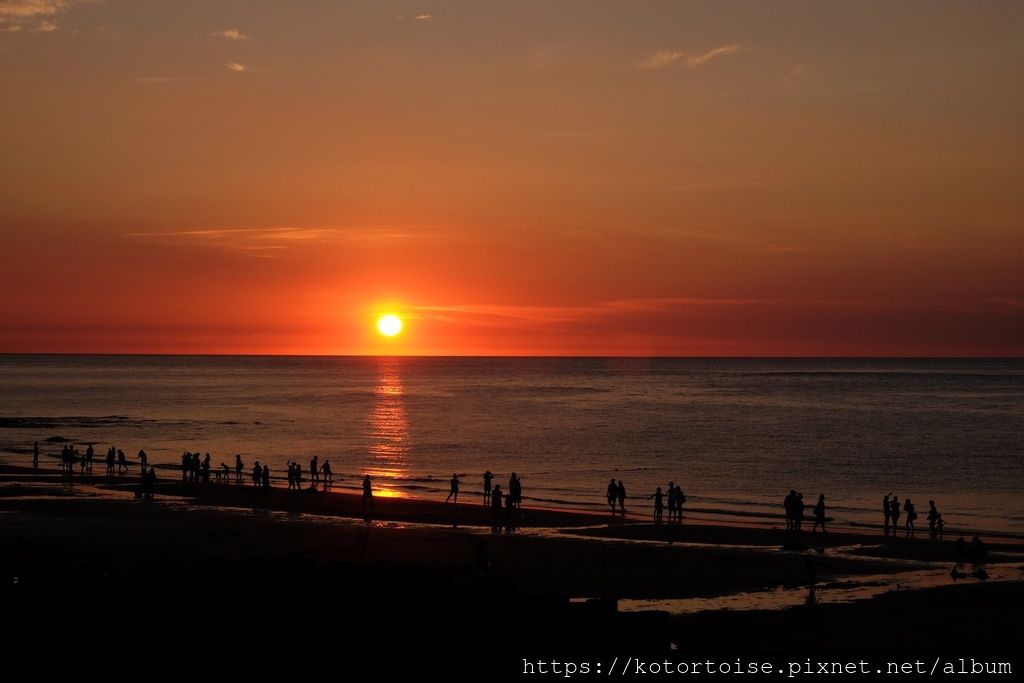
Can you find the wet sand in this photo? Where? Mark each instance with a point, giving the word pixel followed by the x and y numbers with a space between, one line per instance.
pixel 229 552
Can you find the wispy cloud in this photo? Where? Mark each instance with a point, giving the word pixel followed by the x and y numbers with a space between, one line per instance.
pixel 660 59
pixel 664 58
pixel 235 66
pixel 694 61
pixel 34 15
pixel 792 79
pixel 423 17
pixel 230 34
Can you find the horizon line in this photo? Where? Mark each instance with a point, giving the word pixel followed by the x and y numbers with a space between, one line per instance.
pixel 513 356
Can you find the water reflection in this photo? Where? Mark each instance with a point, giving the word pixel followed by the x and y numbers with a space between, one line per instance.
pixel 388 431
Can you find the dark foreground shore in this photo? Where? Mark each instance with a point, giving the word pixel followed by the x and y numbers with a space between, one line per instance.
pixel 221 568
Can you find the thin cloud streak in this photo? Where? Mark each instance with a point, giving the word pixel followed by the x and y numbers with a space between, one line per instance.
pixel 235 66
pixel 665 58
pixel 230 34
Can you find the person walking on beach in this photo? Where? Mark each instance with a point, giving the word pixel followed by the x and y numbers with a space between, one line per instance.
pixel 894 512
pixel 933 517
pixel 488 478
pixel 613 494
pixel 819 514
pixel 911 513
pixel 110 462
pixel 265 477
pixel 328 475
pixel 35 455
pixel 620 494
pixel 454 491
pixel 314 470
pixel 659 504
pixel 239 466
pixel 122 462
pixel 367 492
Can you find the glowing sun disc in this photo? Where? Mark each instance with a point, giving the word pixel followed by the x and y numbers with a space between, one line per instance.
pixel 389 325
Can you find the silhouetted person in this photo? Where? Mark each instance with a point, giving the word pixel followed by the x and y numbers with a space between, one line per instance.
pixel 515 491
pixel 670 500
pixel 122 462
pixel 143 459
pixel 894 512
pixel 89 455
pixel 911 513
pixel 680 500
pixel 819 514
pixel 298 476
pixel 510 514
pixel 789 505
pixel 224 474
pixel 620 494
pixel 613 494
pixel 454 491
pixel 798 511
pixel 239 466
pixel 488 478
pixel 367 492
pixel 314 470
pixel 328 475
pixel 257 473
pixel 887 511
pixel 659 504
pixel 978 549
pixel 110 462
pixel 496 507
pixel 265 478
pixel 933 517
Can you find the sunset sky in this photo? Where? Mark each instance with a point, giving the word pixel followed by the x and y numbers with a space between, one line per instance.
pixel 579 178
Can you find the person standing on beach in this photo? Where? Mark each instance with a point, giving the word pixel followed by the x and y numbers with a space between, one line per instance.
pixel 894 512
pixel 819 514
pixel 680 499
pixel 887 511
pixel 239 466
pixel 671 496
pixel 314 470
pixel 488 477
pixel 515 490
pixel 35 455
pixel 265 477
pixel 613 494
pixel 257 473
pixel 496 510
pixel 367 492
pixel 620 494
pixel 328 475
pixel 122 462
pixel 789 504
pixel 110 462
pixel 659 504
pixel 143 459
pixel 454 491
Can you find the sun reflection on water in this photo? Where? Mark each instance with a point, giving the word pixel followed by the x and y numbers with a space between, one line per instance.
pixel 388 432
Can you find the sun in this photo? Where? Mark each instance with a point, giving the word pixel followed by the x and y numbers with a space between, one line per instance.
pixel 389 325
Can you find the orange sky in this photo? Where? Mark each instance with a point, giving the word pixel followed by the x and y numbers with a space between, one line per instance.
pixel 668 178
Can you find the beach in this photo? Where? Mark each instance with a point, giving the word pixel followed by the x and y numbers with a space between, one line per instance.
pixel 418 573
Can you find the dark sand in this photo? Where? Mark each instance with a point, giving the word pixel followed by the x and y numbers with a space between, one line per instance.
pixel 246 569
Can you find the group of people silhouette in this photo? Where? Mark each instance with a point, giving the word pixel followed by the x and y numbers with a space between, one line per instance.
pixel 675 497
pixel 892 512
pixel 794 507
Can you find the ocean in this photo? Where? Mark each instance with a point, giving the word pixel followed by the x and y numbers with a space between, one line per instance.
pixel 736 433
